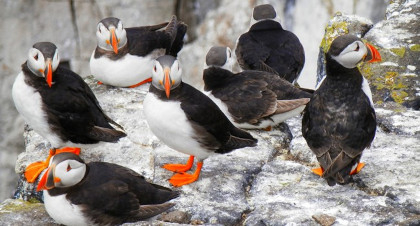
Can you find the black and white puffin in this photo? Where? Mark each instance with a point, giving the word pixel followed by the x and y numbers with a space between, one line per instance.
pixel 123 56
pixel 250 99
pixel 99 193
pixel 268 47
pixel 59 106
pixel 187 120
pixel 340 122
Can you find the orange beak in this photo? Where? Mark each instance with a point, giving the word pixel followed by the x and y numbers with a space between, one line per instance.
pixel 167 82
pixel 374 53
pixel 47 180
pixel 49 74
pixel 114 42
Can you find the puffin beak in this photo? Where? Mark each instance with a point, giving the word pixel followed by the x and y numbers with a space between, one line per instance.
pixel 47 181
pixel 373 54
pixel 49 73
pixel 167 82
pixel 114 41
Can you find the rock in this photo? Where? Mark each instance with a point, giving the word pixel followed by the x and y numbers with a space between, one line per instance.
pixel 19 212
pixel 397 77
pixel 324 219
pixel 176 217
pixel 340 24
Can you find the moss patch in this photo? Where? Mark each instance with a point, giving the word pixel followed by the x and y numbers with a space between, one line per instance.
pixel 415 47
pixel 399 96
pixel 399 51
pixel 19 206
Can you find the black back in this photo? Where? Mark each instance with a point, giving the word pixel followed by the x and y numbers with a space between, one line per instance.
pixel 112 194
pixel 339 122
pixel 268 47
pixel 141 41
pixel 213 130
pixel 249 95
pixel 73 112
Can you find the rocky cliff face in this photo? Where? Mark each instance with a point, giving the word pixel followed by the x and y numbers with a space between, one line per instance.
pixel 268 185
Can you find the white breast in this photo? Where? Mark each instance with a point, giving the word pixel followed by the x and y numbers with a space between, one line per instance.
pixel 367 91
pixel 62 211
pixel 169 123
pixel 28 102
pixel 126 71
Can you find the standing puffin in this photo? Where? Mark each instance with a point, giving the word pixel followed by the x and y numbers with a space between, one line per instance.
pixel 250 99
pixel 99 193
pixel 187 120
pixel 59 106
pixel 268 47
pixel 124 56
pixel 339 122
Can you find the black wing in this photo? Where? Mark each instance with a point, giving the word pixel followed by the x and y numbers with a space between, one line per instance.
pixel 247 99
pixel 115 194
pixel 213 128
pixel 74 111
pixel 143 40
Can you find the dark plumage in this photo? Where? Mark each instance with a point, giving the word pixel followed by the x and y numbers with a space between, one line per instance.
pixel 339 122
pixel 254 99
pixel 106 194
pixel 268 47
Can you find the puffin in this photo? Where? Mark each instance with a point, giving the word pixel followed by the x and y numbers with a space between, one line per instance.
pixel 59 106
pixel 251 99
pixel 340 122
pixel 266 46
pixel 188 121
pixel 123 56
pixel 99 193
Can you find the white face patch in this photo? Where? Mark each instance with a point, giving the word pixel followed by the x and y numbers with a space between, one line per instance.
pixel 103 36
pixel 158 74
pixel 351 55
pixel 70 173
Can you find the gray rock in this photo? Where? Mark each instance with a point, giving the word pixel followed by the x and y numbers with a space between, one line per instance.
pixel 19 213
pixel 176 217
pixel 324 219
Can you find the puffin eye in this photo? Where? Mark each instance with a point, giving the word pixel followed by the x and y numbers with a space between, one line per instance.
pixel 36 57
pixel 230 54
pixel 357 48
pixel 68 168
pixel 154 68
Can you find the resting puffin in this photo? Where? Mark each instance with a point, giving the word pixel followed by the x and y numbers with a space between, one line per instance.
pixel 188 121
pixel 268 47
pixel 99 193
pixel 250 99
pixel 124 56
pixel 59 106
pixel 339 122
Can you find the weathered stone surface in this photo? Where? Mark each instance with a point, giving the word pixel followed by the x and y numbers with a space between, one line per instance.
pixel 397 77
pixel 324 219
pixel 176 217
pixel 19 213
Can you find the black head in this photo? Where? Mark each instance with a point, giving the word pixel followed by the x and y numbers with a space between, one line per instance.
pixel 348 50
pixel 265 11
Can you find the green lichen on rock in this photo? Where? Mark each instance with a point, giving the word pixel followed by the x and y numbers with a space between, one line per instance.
pixel 415 47
pixel 390 81
pixel 19 205
pixel 332 31
pixel 399 96
pixel 399 51
pixel 366 70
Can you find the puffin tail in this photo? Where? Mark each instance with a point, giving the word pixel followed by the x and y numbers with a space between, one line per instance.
pixel 340 169
pixel 240 139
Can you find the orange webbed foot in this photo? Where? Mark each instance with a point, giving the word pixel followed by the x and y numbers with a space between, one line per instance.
pixel 141 83
pixel 359 167
pixel 268 128
pixel 180 168
pixel 73 150
pixel 33 170
pixel 181 179
pixel 99 83
pixel 318 171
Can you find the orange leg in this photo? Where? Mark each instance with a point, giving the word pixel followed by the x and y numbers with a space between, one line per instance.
pixel 180 168
pixel 99 83
pixel 318 171
pixel 141 83
pixel 359 167
pixel 181 179
pixel 33 170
